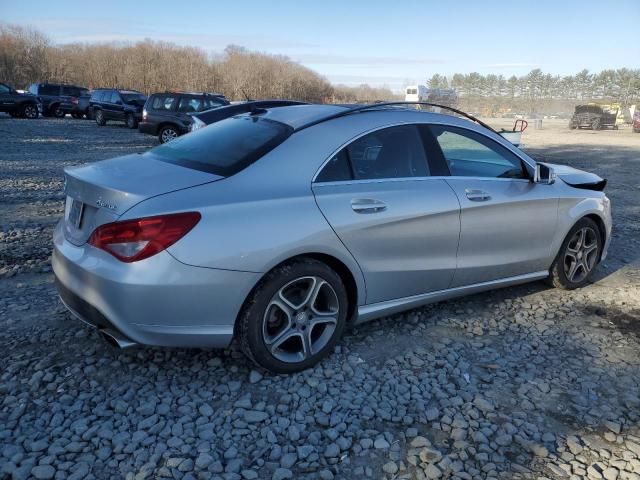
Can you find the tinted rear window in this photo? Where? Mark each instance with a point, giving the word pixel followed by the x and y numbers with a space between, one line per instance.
pixel 225 147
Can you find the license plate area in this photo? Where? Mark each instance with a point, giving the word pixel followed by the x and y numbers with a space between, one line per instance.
pixel 76 209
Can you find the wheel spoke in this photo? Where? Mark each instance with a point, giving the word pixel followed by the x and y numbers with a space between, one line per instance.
pixel 306 296
pixel 286 334
pixel 572 270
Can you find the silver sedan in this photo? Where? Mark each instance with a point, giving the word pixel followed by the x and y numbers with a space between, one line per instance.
pixel 283 226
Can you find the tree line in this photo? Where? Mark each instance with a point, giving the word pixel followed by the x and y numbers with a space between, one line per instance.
pixel 27 56
pixel 542 92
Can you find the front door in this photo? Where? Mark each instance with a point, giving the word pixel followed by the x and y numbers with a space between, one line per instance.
pixel 507 221
pixel 400 225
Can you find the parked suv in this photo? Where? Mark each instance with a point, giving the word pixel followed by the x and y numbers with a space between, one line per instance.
pixel 18 104
pixel 167 114
pixel 55 95
pixel 114 104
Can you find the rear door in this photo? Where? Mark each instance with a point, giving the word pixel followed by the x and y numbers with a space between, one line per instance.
pixel 400 224
pixel 507 221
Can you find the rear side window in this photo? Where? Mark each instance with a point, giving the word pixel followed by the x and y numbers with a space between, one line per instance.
pixel 49 90
pixel 163 102
pixel 72 91
pixel 337 168
pixel 394 152
pixel 225 147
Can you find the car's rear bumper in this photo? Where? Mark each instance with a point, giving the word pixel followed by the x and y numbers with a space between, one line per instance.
pixel 157 301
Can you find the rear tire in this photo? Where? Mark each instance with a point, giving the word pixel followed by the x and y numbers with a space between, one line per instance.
pixel 595 124
pixel 578 256
pixel 294 317
pixel 168 133
pixel 29 110
pixel 131 121
pixel 99 116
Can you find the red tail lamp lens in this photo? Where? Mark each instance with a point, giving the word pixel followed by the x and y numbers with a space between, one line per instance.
pixel 133 240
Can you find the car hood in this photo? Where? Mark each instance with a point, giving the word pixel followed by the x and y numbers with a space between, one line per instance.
pixel 578 178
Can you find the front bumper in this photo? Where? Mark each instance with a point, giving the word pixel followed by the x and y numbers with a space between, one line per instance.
pixel 157 301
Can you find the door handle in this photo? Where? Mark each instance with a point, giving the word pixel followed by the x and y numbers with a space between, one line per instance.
pixel 477 195
pixel 367 205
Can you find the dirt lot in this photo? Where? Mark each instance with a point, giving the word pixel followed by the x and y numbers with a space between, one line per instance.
pixel 525 382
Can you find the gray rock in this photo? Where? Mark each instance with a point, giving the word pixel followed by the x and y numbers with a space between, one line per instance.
pixel 332 450
pixel 390 468
pixel 255 376
pixel 43 472
pixel 254 416
pixel 282 474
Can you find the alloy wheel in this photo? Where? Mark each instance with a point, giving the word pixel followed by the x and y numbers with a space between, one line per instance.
pixel 300 319
pixel 581 254
pixel 168 134
pixel 30 111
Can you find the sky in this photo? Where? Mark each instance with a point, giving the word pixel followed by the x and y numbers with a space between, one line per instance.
pixel 391 43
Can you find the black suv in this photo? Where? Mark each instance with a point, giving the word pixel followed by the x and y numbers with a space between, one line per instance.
pixel 18 104
pixel 167 114
pixel 55 95
pixel 114 104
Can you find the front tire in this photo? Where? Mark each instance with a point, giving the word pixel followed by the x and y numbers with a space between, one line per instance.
pixel 167 134
pixel 99 116
pixel 30 111
pixel 595 124
pixel 294 317
pixel 58 112
pixel 578 256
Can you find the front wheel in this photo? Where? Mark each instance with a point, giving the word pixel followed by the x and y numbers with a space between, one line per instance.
pixel 167 134
pixel 578 256
pixel 294 317
pixel 595 124
pixel 30 111
pixel 131 121
pixel 58 112
pixel 99 116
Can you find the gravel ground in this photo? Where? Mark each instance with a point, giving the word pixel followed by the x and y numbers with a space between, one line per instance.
pixel 526 382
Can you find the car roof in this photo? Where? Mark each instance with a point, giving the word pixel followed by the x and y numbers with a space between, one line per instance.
pixel 299 115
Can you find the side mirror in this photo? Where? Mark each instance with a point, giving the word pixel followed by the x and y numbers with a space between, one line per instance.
pixel 544 174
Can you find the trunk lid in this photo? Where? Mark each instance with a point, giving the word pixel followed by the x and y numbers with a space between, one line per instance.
pixel 101 192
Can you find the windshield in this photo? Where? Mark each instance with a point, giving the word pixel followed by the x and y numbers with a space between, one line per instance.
pixel 225 147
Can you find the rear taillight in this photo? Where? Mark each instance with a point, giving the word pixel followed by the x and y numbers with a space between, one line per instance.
pixel 144 113
pixel 133 240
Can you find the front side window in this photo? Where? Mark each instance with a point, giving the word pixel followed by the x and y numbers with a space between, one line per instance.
pixel 225 147
pixel 162 102
pixel 470 154
pixel 210 102
pixel 114 97
pixel 189 104
pixel 4 88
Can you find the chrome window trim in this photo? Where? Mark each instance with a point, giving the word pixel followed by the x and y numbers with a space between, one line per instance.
pixel 397 124
pixel 406 179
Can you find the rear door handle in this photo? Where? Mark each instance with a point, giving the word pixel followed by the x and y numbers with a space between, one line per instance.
pixel 477 195
pixel 367 205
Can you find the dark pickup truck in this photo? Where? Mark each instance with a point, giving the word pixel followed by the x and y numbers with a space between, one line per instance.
pixel 18 104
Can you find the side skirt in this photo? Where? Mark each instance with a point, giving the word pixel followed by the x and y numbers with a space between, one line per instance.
pixel 389 307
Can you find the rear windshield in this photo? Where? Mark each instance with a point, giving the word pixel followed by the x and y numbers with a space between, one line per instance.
pixel 225 147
